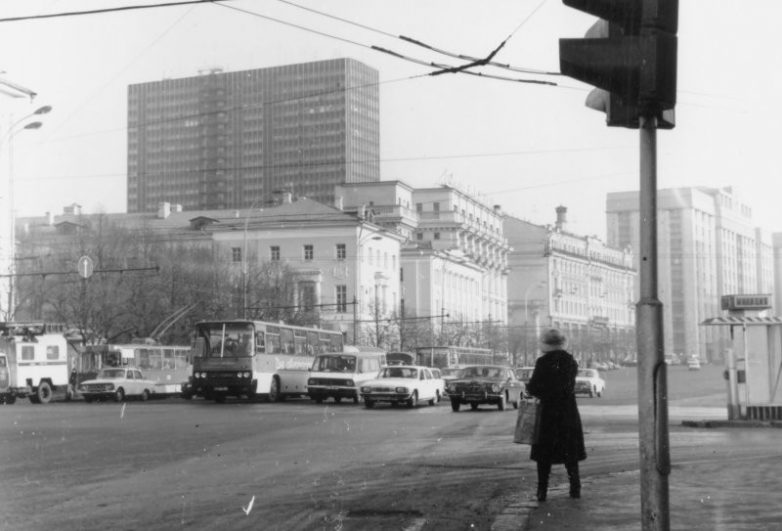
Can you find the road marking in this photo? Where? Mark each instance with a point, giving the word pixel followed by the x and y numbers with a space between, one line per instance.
pixel 249 506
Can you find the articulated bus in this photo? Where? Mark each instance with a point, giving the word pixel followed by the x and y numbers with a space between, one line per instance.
pixel 447 357
pixel 168 366
pixel 250 358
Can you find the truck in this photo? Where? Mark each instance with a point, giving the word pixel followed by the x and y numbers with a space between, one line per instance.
pixel 33 362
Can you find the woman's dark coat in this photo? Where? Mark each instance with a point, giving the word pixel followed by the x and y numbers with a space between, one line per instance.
pixel 561 437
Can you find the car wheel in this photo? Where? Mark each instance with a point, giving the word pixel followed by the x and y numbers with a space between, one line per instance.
pixel 592 393
pixel 144 395
pixel 119 395
pixel 516 402
pixel 356 399
pixel 337 399
pixel 219 398
pixel 369 404
pixel 600 394
pixel 10 399
pixel 413 401
pixel 274 390
pixel 501 403
pixel 319 400
pixel 473 406
pixel 44 393
pixel 455 405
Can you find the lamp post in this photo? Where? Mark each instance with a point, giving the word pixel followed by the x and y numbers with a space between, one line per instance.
pixel 11 234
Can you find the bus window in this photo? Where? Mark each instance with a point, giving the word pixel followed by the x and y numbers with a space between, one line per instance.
pixel 312 343
pixel 260 343
pixel 286 341
pixel 199 348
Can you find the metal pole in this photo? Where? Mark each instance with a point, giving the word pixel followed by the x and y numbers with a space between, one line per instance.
pixel 654 448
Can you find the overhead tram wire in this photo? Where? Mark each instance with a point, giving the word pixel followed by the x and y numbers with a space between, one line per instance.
pixel 430 64
pixel 441 51
pixel 109 10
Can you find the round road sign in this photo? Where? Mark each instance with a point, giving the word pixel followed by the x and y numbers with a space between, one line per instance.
pixel 85 267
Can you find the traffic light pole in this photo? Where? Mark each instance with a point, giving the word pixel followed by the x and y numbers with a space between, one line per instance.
pixel 654 447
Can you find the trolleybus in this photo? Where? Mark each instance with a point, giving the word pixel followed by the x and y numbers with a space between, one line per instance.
pixel 248 358
pixel 446 357
pixel 168 366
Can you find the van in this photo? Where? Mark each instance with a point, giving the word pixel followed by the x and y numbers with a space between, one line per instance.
pixel 339 375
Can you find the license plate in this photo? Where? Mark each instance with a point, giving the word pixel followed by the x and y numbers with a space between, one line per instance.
pixel 221 389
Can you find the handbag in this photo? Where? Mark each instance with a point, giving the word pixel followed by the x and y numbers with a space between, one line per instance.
pixel 527 422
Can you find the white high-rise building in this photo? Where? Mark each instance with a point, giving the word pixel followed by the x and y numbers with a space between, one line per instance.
pixel 707 247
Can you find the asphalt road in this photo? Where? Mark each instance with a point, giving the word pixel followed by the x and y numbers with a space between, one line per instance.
pixel 173 464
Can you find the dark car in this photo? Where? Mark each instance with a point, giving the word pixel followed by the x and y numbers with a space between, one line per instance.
pixel 485 384
pixel 524 374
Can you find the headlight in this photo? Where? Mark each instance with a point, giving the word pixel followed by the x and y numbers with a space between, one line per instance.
pixel 312 381
pixel 495 388
pixel 82 388
pixel 451 388
pixel 350 383
pixel 366 389
pixel 110 387
pixel 401 390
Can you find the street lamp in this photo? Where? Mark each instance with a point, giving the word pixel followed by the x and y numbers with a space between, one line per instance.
pixel 11 234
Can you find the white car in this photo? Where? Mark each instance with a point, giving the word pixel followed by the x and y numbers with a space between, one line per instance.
pixel 403 384
pixel 117 384
pixel 589 382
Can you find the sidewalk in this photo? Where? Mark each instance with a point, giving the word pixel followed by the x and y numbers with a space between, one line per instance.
pixel 722 486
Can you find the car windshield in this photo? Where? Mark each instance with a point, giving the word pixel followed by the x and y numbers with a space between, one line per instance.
pixel 399 372
pixel 524 374
pixel 112 374
pixel 456 373
pixel 334 364
pixel 587 373
pixel 482 372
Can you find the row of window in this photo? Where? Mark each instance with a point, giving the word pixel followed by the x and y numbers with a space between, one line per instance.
pixel 308 252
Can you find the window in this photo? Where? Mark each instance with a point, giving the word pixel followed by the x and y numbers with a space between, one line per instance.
pixel 275 253
pixel 436 207
pixel 52 352
pixel 309 252
pixel 236 254
pixel 341 251
pixel 419 236
pixel 419 207
pixel 28 353
pixel 342 298
pixel 307 296
pixel 436 235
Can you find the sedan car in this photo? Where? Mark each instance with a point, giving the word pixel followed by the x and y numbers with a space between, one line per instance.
pixel 402 384
pixel 117 384
pixel 589 382
pixel 485 384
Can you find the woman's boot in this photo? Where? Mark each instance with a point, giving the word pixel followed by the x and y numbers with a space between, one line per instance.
pixel 575 480
pixel 544 470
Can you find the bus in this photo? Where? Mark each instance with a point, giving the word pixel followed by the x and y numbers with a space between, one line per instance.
pixel 400 358
pixel 169 366
pixel 244 358
pixel 447 357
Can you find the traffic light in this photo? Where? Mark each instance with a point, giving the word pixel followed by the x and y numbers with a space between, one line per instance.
pixel 630 56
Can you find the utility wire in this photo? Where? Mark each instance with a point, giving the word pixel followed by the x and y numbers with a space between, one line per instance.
pixel 438 66
pixel 427 46
pixel 108 10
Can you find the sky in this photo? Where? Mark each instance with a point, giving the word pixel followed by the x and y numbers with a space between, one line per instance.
pixel 527 147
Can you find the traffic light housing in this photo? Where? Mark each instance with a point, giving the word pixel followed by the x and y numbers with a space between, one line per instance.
pixel 630 56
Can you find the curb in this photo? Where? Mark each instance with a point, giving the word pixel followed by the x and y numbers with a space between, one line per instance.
pixel 732 423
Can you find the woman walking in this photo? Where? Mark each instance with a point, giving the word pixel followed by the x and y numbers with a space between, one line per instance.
pixel 561 437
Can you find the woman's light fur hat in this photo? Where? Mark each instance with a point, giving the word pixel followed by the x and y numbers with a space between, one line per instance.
pixel 552 339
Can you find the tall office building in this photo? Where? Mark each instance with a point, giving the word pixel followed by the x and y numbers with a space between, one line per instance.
pixel 707 247
pixel 231 140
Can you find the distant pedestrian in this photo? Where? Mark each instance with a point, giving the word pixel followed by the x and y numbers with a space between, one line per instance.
pixel 561 437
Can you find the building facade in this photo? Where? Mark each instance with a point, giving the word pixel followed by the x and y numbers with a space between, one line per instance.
pixel 224 140
pixel 707 247
pixel 344 268
pixel 576 283
pixel 454 259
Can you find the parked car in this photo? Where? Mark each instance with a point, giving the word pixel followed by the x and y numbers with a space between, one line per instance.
pixel 403 384
pixel 449 374
pixel 693 364
pixel 524 374
pixel 589 382
pixel 117 384
pixel 485 384
pixel 340 375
